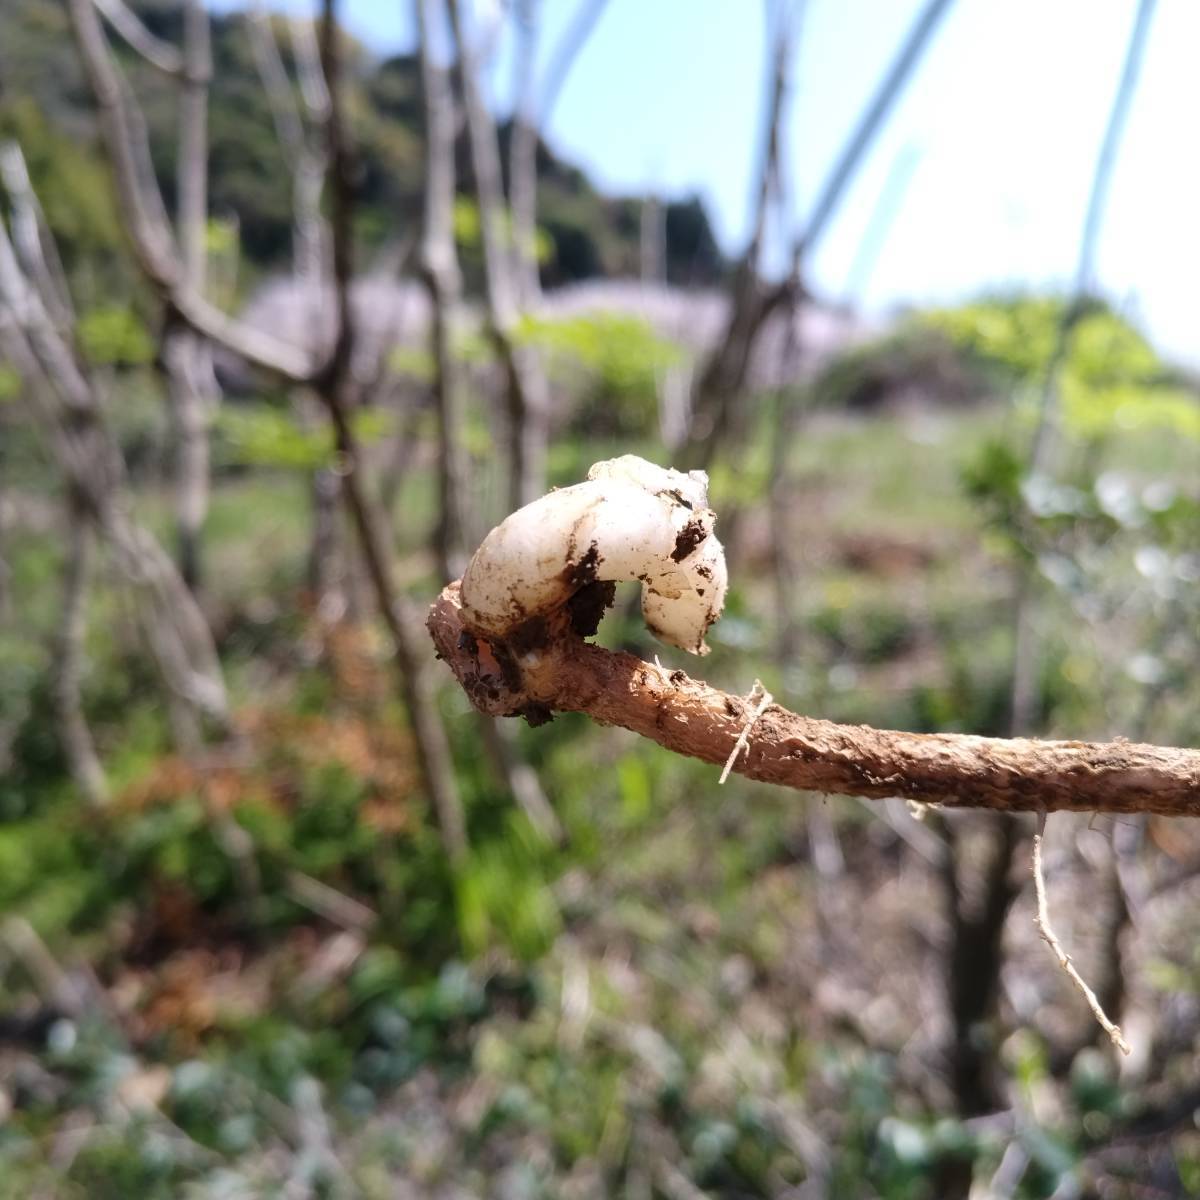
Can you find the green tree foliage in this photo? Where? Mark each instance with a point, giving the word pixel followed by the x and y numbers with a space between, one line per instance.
pixel 613 361
pixel 70 181
pixel 259 435
pixel 1110 377
pixel 115 336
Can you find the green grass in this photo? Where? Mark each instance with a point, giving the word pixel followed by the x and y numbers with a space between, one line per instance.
pixel 668 985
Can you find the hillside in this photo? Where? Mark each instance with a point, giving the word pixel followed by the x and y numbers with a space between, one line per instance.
pixel 42 101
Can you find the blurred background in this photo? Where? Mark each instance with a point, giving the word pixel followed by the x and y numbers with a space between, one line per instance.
pixel 297 301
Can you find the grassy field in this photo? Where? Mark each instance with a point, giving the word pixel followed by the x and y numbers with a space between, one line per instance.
pixel 727 989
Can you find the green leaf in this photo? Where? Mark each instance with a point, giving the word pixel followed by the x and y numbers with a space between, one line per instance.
pixel 468 226
pixel 115 336
pixel 10 384
pixel 260 435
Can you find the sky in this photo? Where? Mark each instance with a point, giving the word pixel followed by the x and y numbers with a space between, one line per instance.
pixel 988 156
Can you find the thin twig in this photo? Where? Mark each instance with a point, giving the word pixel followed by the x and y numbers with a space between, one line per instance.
pixel 71 656
pixel 122 129
pixel 317 896
pixel 56 987
pixel 764 698
pixel 162 56
pixel 338 391
pixel 751 302
pixel 443 282
pixel 1042 921
pixel 65 403
pixel 1042 446
pixel 526 387
pixel 871 120
pixel 531 116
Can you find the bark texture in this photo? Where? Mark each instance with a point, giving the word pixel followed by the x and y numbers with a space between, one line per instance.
pixel 564 673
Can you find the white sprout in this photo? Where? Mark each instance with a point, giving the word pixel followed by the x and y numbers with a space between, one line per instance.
pixel 631 520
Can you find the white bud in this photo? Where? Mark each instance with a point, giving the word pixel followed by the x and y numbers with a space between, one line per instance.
pixel 631 520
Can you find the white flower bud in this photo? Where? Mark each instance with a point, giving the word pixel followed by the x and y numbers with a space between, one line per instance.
pixel 631 520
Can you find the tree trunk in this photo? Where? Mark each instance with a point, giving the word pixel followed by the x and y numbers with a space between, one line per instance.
pixel 440 274
pixel 335 391
pixel 192 391
pixel 975 960
pixel 193 395
pixel 77 741
pixel 66 408
pixel 527 393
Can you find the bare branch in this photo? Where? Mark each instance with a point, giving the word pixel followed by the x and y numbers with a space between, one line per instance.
pixel 193 390
pixel 781 49
pixel 194 397
pixel 527 391
pixel 440 273
pixel 58 989
pixel 78 745
pixel 1097 202
pixel 303 148
pixel 65 406
pixel 687 716
pixel 751 303
pixel 829 197
pixel 143 213
pixel 587 15
pixel 314 89
pixel 489 188
pixel 32 238
pixel 724 375
pixel 531 114
pixel 1109 148
pixel 887 206
pixel 336 389
pixel 522 151
pixel 159 54
pixel 192 174
pixel 144 218
pixel 329 903
pixel 285 113
pixel 256 347
pixel 652 241
pixel 340 186
pixel 433 751
pixel 872 120
pixel 46 345
pixel 1026 639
